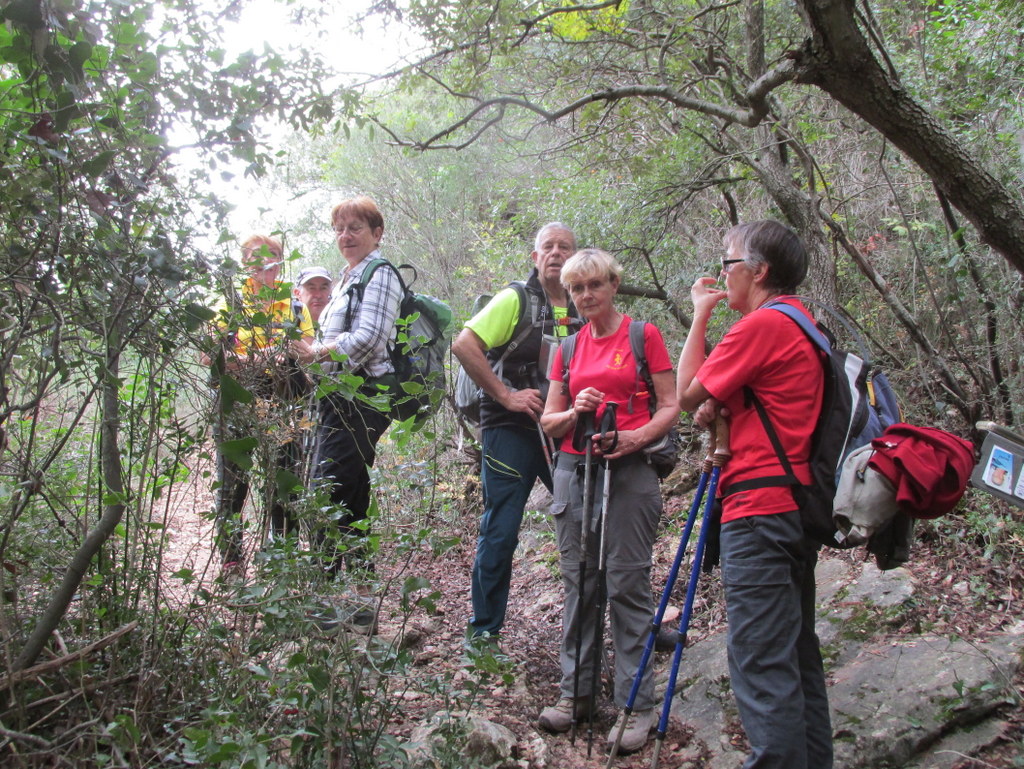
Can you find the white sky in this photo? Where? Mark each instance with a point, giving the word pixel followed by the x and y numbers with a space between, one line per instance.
pixel 355 56
pixel 372 52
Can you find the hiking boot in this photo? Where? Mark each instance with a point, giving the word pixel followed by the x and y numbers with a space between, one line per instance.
pixel 363 620
pixel 634 736
pixel 665 641
pixel 485 643
pixel 231 571
pixel 558 717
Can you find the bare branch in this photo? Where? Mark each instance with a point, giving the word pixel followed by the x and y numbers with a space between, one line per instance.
pixel 905 317
pixel 745 117
pixel 67 659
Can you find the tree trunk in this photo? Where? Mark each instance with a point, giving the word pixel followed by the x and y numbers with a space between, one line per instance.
pixel 113 489
pixel 839 60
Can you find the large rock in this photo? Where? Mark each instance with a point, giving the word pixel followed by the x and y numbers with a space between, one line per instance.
pixel 892 698
pixel 897 697
pixel 477 741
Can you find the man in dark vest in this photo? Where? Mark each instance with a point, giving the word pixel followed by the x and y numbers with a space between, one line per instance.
pixel 515 451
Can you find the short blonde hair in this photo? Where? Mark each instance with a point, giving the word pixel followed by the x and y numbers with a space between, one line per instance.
pixel 588 263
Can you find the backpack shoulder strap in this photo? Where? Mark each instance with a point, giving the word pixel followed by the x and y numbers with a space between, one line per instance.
pixel 526 298
pixel 636 344
pixel 568 346
pixel 524 329
pixel 789 479
pixel 806 324
pixel 357 288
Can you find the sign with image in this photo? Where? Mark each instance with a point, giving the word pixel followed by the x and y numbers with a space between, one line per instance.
pixel 1002 459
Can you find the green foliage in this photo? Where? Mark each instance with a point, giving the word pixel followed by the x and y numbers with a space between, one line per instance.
pixel 104 246
pixel 579 25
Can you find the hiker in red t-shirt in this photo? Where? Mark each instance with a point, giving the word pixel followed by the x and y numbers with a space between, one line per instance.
pixel 602 370
pixel 767 564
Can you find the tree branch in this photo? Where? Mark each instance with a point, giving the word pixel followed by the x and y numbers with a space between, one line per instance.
pixel 839 60
pixel 67 659
pixel 905 318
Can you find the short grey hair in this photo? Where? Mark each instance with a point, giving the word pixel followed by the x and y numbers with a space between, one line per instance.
pixel 552 226
pixel 774 244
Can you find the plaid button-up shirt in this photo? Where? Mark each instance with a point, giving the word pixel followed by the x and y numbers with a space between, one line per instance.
pixel 372 328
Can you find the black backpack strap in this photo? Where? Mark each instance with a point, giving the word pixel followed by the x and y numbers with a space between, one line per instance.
pixel 568 348
pixel 359 287
pixel 525 329
pixel 636 344
pixel 816 336
pixel 789 479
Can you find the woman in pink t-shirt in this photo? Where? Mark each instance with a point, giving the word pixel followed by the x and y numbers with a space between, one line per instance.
pixel 775 664
pixel 603 370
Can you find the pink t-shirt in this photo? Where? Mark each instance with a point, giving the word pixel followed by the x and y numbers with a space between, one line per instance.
pixel 607 364
pixel 769 353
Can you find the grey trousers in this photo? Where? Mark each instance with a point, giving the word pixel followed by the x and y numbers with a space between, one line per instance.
pixel 774 659
pixel 634 509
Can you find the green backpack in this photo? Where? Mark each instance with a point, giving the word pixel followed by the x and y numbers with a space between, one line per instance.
pixel 423 335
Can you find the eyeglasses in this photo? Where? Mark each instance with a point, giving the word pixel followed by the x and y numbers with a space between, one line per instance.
pixel 256 266
pixel 353 229
pixel 728 263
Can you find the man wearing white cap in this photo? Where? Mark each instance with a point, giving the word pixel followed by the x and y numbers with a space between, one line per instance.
pixel 313 289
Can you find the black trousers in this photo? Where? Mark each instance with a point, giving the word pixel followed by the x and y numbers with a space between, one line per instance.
pixel 346 447
pixel 234 484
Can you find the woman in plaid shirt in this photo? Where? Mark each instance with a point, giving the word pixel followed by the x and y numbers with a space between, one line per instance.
pixel 355 333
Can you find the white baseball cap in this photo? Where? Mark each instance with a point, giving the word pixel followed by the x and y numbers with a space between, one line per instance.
pixel 313 272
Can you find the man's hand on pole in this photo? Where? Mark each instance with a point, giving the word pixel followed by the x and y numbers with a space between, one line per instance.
pixel 525 402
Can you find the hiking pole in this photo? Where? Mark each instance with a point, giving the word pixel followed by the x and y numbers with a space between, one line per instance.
pixel 545 445
pixel 666 594
pixel 583 435
pixel 608 425
pixel 721 456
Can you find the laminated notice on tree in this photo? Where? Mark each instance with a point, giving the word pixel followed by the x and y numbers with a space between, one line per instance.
pixel 1000 470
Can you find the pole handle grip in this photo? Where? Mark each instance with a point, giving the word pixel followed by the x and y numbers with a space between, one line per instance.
pixel 610 424
pixel 720 431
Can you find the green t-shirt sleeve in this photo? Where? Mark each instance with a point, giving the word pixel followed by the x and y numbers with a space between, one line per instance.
pixel 495 323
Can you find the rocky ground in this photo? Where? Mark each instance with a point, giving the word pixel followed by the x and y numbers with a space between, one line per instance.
pixel 947 591
pixel 958 591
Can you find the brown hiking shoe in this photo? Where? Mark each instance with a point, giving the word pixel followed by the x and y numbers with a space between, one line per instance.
pixel 558 717
pixel 634 736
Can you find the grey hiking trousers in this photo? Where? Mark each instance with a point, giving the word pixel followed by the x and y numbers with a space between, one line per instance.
pixel 634 511
pixel 774 658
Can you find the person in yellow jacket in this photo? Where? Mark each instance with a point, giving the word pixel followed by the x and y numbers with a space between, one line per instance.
pixel 255 323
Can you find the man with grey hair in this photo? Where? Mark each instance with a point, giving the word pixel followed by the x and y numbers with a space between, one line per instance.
pixel 505 349
pixel 313 289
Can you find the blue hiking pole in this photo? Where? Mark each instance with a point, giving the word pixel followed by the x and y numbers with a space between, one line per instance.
pixel 721 456
pixel 666 594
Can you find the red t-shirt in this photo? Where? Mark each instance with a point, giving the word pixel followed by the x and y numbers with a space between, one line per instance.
pixel 769 353
pixel 608 365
